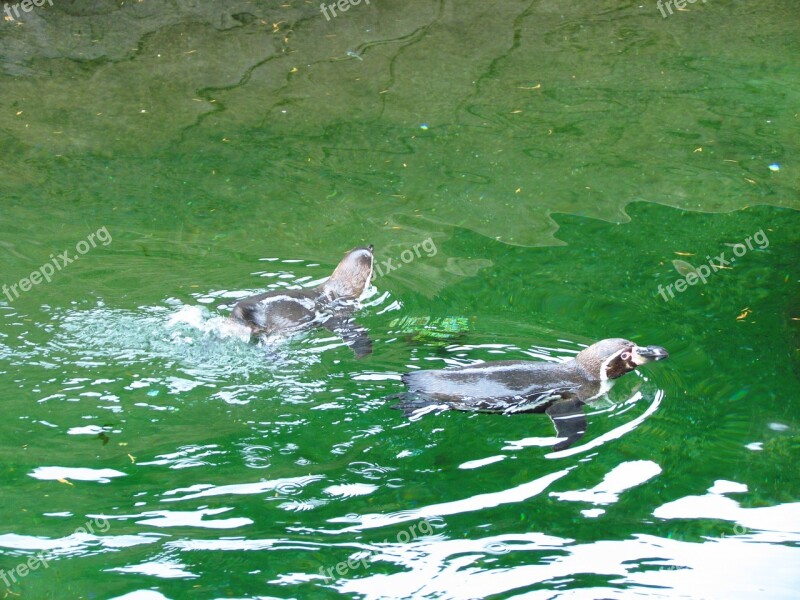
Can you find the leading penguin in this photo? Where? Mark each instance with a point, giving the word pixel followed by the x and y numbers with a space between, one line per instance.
pixel 518 386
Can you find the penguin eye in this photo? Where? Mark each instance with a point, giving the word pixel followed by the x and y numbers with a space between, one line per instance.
pixel 625 356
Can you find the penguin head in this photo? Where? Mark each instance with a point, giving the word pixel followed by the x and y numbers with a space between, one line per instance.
pixel 612 358
pixel 352 275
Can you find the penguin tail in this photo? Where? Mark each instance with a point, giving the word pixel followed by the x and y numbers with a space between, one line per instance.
pixel 415 406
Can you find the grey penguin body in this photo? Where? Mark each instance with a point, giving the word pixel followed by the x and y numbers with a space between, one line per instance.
pixel 330 304
pixel 559 389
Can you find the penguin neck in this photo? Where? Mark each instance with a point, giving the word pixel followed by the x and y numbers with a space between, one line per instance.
pixel 349 288
pixel 603 387
pixel 600 383
pixel 332 295
pixel 329 292
pixel 587 374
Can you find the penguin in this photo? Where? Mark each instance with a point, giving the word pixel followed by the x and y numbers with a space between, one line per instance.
pixel 330 304
pixel 518 386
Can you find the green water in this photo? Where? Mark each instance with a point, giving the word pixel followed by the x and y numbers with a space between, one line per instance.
pixel 556 158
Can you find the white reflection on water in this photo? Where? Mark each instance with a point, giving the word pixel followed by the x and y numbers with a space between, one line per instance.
pixel 349 490
pixel 645 566
pixel 614 434
pixel 78 544
pixel 482 462
pixel 76 473
pixel 286 486
pixel 141 595
pixel 195 518
pixel 475 503
pixel 622 477
pixel 163 569
pixel 783 518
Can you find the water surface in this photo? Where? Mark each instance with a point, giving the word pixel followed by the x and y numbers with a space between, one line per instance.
pixel 559 157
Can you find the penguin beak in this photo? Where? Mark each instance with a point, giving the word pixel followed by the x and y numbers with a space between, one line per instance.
pixel 649 353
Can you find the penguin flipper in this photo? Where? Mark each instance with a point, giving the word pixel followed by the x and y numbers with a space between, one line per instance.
pixel 569 420
pixel 353 335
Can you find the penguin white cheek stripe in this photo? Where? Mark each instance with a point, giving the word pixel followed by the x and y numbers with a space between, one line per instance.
pixel 368 283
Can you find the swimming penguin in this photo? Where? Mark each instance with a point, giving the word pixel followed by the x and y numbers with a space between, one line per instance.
pixel 518 386
pixel 330 304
